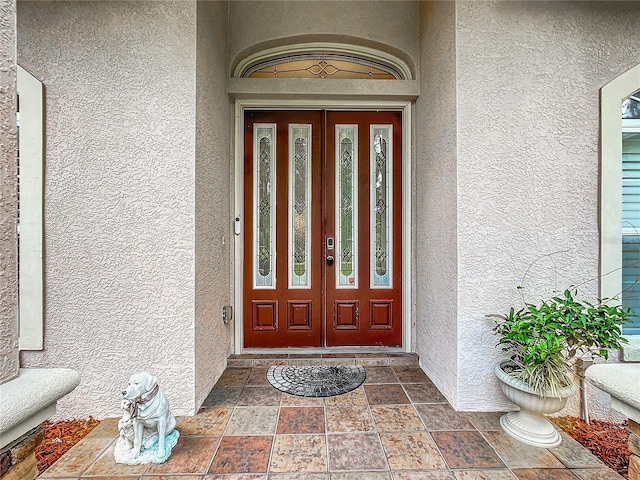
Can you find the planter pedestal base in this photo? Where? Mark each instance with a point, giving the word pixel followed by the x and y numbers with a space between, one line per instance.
pixel 530 429
pixel 528 424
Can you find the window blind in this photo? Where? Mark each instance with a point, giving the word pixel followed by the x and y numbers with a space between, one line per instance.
pixel 631 226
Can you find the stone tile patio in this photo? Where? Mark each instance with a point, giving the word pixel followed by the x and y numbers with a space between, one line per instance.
pixel 396 426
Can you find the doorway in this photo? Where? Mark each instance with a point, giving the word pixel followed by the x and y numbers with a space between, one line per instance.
pixel 323 229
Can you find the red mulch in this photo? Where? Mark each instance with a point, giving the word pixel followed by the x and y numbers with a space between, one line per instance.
pixel 607 441
pixel 59 437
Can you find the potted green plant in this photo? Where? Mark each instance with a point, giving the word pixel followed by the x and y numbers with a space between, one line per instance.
pixel 541 342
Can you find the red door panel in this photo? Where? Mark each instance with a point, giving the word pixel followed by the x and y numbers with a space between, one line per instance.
pixel 374 311
pixel 279 314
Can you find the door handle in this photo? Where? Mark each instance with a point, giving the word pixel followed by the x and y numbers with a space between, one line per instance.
pixel 329 259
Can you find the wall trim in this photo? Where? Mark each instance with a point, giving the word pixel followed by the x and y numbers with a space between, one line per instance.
pixel 31 212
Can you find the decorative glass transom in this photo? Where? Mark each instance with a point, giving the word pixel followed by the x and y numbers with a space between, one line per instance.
pixel 300 206
pixel 264 195
pixel 322 66
pixel 381 220
pixel 346 205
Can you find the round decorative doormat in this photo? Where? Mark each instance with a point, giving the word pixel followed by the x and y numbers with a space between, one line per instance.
pixel 316 380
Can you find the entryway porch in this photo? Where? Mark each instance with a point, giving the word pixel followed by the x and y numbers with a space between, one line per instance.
pixel 396 426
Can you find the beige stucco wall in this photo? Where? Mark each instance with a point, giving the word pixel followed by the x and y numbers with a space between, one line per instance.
pixel 528 80
pixel 138 172
pixel 391 26
pixel 213 240
pixel 436 198
pixel 8 198
pixel 119 194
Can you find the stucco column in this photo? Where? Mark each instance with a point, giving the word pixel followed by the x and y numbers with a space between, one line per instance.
pixel 8 195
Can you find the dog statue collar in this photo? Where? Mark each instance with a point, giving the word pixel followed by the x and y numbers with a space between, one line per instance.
pixel 150 396
pixel 134 405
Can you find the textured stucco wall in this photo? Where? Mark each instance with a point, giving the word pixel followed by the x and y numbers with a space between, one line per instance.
pixel 528 80
pixel 212 198
pixel 435 172
pixel 8 199
pixel 119 194
pixel 389 25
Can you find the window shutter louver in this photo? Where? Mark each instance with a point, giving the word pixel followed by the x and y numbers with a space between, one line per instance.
pixel 631 226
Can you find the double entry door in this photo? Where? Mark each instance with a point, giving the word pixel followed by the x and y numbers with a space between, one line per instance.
pixel 322 229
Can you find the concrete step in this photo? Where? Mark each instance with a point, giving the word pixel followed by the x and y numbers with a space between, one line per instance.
pixel 364 359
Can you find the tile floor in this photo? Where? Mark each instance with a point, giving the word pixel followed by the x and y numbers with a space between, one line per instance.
pixel 396 426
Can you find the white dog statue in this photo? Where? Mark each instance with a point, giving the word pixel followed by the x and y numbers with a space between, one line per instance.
pixel 147 427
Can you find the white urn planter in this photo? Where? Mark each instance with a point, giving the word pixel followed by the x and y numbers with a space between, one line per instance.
pixel 528 424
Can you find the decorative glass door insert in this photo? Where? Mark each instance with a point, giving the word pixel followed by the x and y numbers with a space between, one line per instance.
pixel 346 205
pixel 381 199
pixel 299 206
pixel 264 205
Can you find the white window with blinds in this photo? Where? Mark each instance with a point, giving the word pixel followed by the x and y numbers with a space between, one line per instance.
pixel 631 219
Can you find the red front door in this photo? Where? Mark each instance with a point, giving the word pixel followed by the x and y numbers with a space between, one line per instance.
pixel 323 229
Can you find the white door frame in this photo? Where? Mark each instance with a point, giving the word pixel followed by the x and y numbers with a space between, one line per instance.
pixel 353 105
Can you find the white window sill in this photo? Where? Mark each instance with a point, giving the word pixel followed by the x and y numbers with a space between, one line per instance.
pixel 622 382
pixel 631 351
pixel 31 398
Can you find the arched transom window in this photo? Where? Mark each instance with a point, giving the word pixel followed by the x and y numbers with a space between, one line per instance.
pixel 323 60
pixel 321 66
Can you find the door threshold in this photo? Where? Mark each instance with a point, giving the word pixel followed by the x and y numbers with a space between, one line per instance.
pixel 367 357
pixel 321 350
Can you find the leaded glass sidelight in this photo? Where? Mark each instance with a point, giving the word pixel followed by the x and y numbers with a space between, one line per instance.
pixel 264 213
pixel 299 206
pixel 346 205
pixel 381 220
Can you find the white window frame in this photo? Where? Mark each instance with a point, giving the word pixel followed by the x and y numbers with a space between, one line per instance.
pixel 611 97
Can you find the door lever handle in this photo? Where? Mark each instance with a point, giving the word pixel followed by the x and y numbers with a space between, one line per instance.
pixel 329 259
